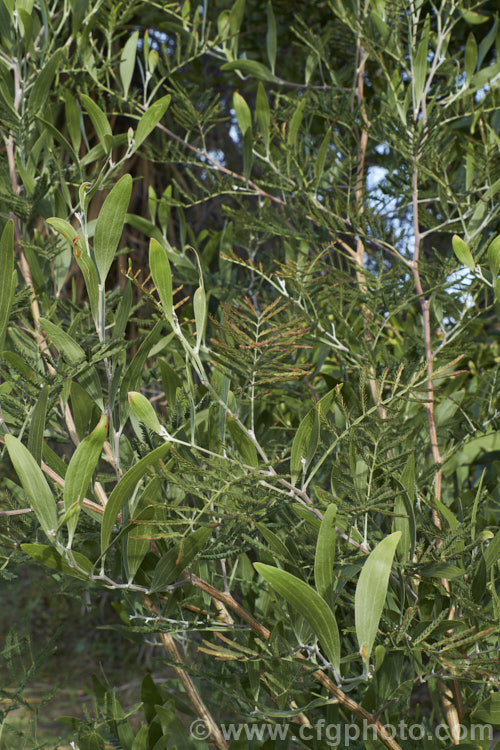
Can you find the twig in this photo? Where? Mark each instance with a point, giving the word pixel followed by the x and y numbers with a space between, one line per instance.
pixel 190 688
pixel 341 697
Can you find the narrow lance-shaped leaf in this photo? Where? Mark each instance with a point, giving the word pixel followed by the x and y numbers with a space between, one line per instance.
pixel 420 70
pixel 127 62
pixel 83 259
pixel 63 341
pixel 325 552
pixel 109 226
pixel 494 256
pixel 307 436
pixel 6 274
pixel 139 537
pixel 252 68
pixel 123 490
pixel 41 87
pixel 243 443
pixel 89 273
pixel 52 559
pixel 35 485
pixel 80 470
pixel 462 252
pixel 176 559
pixel 319 164
pixel 470 58
pixel 404 519
pixel 242 111
pixel 200 314
pixel 37 425
pixel 295 123
pixel 371 593
pixel 144 411
pixel 162 277
pixel 263 114
pixel 271 42
pixel 134 373
pixel 247 153
pixel 99 120
pixel 150 119
pixel 310 605
pixel 73 124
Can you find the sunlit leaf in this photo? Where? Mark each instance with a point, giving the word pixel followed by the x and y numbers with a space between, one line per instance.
pixel 109 225
pixel 162 277
pixel 310 605
pixel 150 119
pixel 37 425
pixel 48 556
pixel 144 411
pixel 99 121
pixel 81 467
pixel 123 489
pixel 462 252
pixel 127 62
pixel 325 552
pixel 371 592
pixel 34 484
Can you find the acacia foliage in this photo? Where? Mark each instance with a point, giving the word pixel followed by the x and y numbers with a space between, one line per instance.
pixel 265 340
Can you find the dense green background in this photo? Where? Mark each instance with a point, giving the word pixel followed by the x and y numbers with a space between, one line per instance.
pixel 332 345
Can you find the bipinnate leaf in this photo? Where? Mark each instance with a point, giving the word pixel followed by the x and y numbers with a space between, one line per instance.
pixel 178 558
pixel 150 119
pixel 6 273
pixel 80 470
pixel 162 277
pixel 325 552
pixel 35 485
pixel 371 592
pixel 310 605
pixel 462 252
pixel 494 256
pixel 127 62
pixel 123 489
pixel 52 559
pixel 144 411
pixel 109 225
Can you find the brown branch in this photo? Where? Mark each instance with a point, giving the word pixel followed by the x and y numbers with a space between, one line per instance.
pixel 359 190
pixel 190 688
pixel 263 632
pixel 451 710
